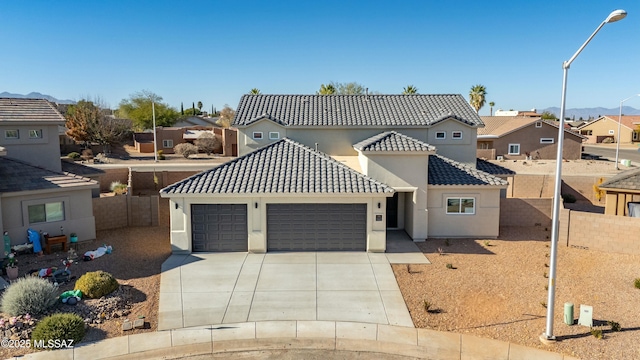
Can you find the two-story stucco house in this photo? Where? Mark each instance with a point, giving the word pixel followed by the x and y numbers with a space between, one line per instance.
pixel 335 172
pixel 34 191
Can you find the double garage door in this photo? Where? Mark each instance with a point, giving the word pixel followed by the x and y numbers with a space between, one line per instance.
pixel 290 227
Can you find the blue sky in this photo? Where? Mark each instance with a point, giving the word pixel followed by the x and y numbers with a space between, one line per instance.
pixel 215 51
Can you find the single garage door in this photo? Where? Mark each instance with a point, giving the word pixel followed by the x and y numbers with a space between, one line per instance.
pixel 316 227
pixel 219 227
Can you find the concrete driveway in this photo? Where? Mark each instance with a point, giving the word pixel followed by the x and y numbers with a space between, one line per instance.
pixel 225 288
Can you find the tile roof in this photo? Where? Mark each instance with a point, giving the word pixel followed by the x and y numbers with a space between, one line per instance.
pixel 628 121
pixel 282 167
pixel 79 169
pixel 355 110
pixel 493 169
pixel 29 110
pixel 504 125
pixel 16 175
pixel 444 171
pixel 393 141
pixel 628 180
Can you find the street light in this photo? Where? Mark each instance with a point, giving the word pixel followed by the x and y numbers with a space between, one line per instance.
pixel 618 134
pixel 155 144
pixel 548 336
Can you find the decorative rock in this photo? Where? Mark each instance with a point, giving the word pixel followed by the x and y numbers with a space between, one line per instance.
pixel 126 325
pixel 138 323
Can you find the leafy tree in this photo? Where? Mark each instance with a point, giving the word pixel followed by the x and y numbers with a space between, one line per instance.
pixel 208 143
pixel 226 116
pixel 491 105
pixel 86 122
pixel 138 108
pixel 477 97
pixel 192 112
pixel 549 116
pixel 185 149
pixel 200 106
pixel 255 91
pixel 326 90
pixel 351 88
pixel 410 90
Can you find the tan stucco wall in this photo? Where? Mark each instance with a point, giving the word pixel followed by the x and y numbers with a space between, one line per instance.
pixel 603 126
pixel 403 173
pixel 44 152
pixel 484 223
pixel 78 209
pixel 529 140
pixel 257 217
pixel 174 134
pixel 340 141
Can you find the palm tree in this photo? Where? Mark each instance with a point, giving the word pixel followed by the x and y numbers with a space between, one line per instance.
pixel 491 104
pixel 255 91
pixel 477 97
pixel 410 90
pixel 326 90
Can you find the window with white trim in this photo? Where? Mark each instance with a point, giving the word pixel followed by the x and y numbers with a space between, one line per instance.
pixel 456 135
pixel 538 124
pixel 611 132
pixel 35 134
pixel 12 134
pixel 274 135
pixel 547 140
pixel 257 135
pixel 167 143
pixel 461 205
pixel 441 135
pixel 514 149
pixel 48 212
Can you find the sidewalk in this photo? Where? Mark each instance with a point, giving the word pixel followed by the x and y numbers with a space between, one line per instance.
pixel 300 335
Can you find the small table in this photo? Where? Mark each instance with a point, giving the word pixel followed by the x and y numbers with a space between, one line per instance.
pixel 54 240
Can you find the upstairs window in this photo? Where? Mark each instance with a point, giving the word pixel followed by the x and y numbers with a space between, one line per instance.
pixel 456 135
pixel 547 140
pixel 441 135
pixel 538 124
pixel 11 134
pixel 274 135
pixel 35 134
pixel 257 135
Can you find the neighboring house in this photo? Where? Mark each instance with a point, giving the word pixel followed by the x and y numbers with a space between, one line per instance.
pixel 519 137
pixel 621 190
pixel 169 137
pixel 195 121
pixel 514 113
pixel 72 167
pixel 34 192
pixel 606 127
pixel 368 173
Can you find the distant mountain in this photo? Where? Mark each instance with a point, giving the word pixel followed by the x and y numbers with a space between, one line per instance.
pixel 594 113
pixel 35 95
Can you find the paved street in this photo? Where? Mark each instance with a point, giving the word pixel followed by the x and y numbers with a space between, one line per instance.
pixel 609 151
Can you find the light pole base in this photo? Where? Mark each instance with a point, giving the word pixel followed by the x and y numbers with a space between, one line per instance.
pixel 547 340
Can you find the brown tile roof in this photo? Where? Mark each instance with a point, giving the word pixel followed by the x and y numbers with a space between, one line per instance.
pixel 630 121
pixel 16 176
pixel 502 125
pixel 628 180
pixel 29 110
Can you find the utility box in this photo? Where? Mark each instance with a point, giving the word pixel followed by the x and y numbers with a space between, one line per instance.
pixel 568 313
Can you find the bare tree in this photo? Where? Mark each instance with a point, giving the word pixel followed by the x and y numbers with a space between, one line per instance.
pixel 208 143
pixel 185 149
pixel 226 116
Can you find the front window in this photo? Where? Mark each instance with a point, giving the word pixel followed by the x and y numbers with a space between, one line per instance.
pixel 274 135
pixel 167 144
pixel 11 134
pixel 49 212
pixel 257 135
pixel 35 134
pixel 538 124
pixel 456 135
pixel 461 206
pixel 514 149
pixel 441 135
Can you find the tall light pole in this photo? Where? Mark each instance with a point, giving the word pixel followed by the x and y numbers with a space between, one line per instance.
pixel 618 134
pixel 155 144
pixel 548 336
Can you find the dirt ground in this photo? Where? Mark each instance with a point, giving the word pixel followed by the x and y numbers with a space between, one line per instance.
pixel 497 289
pixel 137 256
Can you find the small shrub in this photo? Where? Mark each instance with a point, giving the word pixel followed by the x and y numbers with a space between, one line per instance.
pixel 440 251
pixel 96 284
pixel 637 283
pixel 546 265
pixel 30 295
pixel 118 188
pixel 59 327
pixel 545 275
pixel 446 242
pixel 597 333
pixel 427 305
pixel 161 155
pixel 73 155
pixel 608 140
pixel 450 266
pixel 544 304
pixel 185 149
pixel 569 198
pixel 487 243
pixel 614 325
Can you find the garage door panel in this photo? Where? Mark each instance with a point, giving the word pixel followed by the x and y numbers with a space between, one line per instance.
pixel 219 227
pixel 313 227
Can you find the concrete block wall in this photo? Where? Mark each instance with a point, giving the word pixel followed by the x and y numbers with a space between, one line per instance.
pixel 144 180
pixel 532 186
pixel 144 210
pixel 110 212
pixel 525 212
pixel 617 234
pixel 111 175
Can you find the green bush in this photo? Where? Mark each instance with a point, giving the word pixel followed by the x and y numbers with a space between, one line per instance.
pixel 96 284
pixel 73 155
pixel 59 327
pixel 569 198
pixel 118 187
pixel 637 283
pixel 30 295
pixel 161 155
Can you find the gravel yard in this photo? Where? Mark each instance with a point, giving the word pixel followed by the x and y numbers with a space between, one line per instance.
pixel 569 167
pixel 497 290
